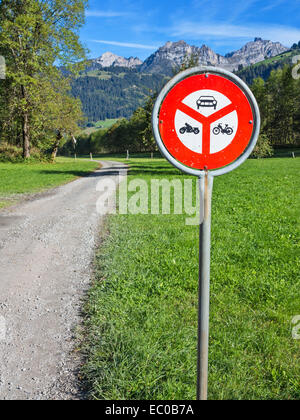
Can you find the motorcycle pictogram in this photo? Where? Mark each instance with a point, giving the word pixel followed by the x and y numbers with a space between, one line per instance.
pixel 189 129
pixel 226 130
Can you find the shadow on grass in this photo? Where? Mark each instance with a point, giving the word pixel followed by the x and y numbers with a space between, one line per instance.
pixel 80 174
pixel 143 170
pixel 135 170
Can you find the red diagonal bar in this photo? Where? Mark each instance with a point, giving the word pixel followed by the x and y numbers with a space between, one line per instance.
pixel 206 139
pixel 201 118
pixel 192 113
pixel 222 113
pixel 206 121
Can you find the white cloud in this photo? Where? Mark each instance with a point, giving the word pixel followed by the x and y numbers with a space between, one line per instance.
pixel 284 34
pixel 126 44
pixel 102 13
pixel 272 5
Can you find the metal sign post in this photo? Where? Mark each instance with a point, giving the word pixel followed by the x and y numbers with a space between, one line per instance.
pixel 206 123
pixel 206 185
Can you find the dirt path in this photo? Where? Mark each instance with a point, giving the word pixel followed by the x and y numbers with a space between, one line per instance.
pixel 46 250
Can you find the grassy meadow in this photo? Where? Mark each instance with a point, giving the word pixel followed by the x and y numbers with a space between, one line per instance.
pixel 101 124
pixel 141 313
pixel 27 178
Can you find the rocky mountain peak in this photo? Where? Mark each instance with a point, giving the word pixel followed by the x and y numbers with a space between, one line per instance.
pixel 109 59
pixel 255 51
pixel 173 54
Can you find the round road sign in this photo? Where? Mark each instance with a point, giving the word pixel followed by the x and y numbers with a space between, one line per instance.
pixel 206 119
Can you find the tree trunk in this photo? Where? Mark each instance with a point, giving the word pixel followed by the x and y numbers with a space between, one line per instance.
pixel 56 146
pixel 25 129
pixel 26 137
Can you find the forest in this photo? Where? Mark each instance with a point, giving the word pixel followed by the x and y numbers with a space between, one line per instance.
pixel 114 92
pixel 37 109
pixel 279 102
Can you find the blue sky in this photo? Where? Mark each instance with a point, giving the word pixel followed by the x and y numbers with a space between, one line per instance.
pixel 138 28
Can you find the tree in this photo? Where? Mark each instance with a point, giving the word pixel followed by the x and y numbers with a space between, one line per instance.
pixel 59 114
pixel 34 36
pixel 189 61
pixel 259 90
pixel 279 103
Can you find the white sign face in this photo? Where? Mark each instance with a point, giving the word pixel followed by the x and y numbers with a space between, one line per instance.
pixel 206 103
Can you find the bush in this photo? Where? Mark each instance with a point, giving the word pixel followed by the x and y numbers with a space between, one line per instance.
pixel 262 148
pixel 14 154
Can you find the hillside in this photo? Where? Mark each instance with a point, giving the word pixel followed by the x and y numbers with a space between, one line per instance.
pixel 114 92
pixel 263 69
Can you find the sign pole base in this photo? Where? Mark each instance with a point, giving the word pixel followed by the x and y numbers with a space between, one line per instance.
pixel 206 186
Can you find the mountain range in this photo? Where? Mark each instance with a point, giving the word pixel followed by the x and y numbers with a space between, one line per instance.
pixel 109 59
pixel 173 54
pixel 113 86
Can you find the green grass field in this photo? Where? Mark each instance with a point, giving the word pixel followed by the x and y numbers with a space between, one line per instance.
pixel 141 327
pixel 23 178
pixel 106 123
pixel 101 124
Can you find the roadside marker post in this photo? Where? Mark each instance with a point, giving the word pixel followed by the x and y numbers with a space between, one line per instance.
pixel 206 122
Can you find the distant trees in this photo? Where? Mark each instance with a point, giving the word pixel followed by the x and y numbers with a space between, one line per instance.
pixel 116 93
pixel 35 35
pixel 134 134
pixel 279 102
pixel 296 46
pixel 278 98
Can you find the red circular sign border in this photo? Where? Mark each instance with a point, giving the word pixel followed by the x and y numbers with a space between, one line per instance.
pixel 171 103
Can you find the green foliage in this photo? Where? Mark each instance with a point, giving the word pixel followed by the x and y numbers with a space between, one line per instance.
pixel 279 103
pixel 262 148
pixel 34 36
pixel 134 135
pixel 116 96
pixel 14 154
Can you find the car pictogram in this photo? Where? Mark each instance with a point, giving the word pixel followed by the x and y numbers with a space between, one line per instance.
pixel 207 101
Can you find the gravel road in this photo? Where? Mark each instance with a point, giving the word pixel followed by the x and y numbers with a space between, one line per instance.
pixel 46 250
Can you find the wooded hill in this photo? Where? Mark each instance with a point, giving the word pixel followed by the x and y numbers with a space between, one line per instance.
pixel 114 92
pixel 264 68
